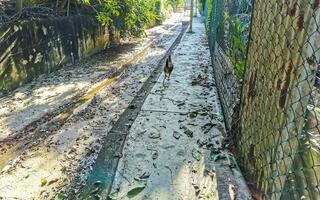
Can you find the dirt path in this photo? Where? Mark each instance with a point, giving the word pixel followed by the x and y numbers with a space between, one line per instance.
pixel 174 147
pixel 45 152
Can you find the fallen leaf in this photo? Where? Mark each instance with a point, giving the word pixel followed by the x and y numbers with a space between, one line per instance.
pixel 216 155
pixel 53 181
pixel 192 115
pixel 187 131
pixel 43 182
pixel 180 103
pixel 136 190
pixel 154 135
pixel 196 154
pixel 145 175
pixel 59 196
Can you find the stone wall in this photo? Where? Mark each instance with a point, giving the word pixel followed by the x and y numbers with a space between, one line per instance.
pixel 34 47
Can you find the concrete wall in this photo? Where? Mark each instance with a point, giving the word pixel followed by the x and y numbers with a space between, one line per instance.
pixel 31 48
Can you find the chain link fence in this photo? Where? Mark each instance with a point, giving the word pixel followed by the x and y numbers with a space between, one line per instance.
pixel 276 123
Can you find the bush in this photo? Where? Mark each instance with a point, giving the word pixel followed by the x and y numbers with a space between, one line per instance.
pixel 132 17
pixel 237 52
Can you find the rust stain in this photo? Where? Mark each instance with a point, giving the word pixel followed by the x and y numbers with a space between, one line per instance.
pixel 277 78
pixel 316 4
pixel 284 89
pixel 300 21
pixel 252 84
pixel 251 156
pixel 294 9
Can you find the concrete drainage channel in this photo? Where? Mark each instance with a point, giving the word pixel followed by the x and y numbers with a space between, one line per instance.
pixel 100 179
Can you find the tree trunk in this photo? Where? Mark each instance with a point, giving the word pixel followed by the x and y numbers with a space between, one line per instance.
pixel 191 17
pixel 196 10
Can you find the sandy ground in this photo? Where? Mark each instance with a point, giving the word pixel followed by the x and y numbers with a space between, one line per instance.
pixel 45 154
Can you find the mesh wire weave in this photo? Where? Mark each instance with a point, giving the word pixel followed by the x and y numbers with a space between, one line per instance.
pixel 278 142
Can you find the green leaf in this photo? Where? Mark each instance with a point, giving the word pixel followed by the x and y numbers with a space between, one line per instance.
pixel 59 196
pixel 193 115
pixel 136 190
pixel 196 154
pixel 44 182
pixel 187 131
pixel 216 155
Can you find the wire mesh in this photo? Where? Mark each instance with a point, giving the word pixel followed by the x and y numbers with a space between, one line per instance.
pixel 278 138
pixel 227 24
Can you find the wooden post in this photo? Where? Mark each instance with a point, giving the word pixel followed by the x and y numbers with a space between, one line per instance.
pixel 19 6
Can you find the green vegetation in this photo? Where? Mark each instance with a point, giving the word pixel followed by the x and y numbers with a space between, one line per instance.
pixel 128 17
pixel 237 53
pixel 209 14
pixel 175 4
pixel 132 17
pixel 234 31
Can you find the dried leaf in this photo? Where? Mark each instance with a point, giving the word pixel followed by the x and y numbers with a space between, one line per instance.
pixel 187 131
